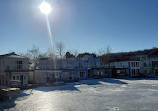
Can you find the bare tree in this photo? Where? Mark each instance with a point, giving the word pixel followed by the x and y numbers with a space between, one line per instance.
pixel 104 51
pixel 75 53
pixel 33 54
pixel 60 49
pixel 108 49
pixel 51 54
pixel 105 54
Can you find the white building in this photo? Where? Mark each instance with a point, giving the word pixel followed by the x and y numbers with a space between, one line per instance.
pixel 58 64
pixel 149 66
pixel 44 76
pixel 66 69
pixel 92 61
pixel 132 66
pixel 13 68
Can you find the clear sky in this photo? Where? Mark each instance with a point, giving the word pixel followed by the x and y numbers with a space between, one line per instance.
pixel 83 25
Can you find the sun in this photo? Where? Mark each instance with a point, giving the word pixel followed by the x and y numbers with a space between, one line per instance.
pixel 45 8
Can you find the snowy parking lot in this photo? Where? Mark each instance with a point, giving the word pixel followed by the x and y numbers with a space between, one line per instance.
pixel 89 95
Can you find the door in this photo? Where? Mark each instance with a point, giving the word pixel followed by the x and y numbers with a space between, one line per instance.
pixel 21 79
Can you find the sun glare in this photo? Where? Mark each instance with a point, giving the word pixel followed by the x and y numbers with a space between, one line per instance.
pixel 45 8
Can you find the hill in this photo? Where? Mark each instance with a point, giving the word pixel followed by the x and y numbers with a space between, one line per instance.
pixel 122 55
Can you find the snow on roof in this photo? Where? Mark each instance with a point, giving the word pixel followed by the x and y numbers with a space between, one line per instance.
pixel 12 55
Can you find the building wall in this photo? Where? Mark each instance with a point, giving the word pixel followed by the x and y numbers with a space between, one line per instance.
pixel 50 64
pixel 100 72
pixel 108 72
pixel 71 68
pixel 31 77
pixel 81 73
pixel 19 76
pixel 91 61
pixel 9 63
pixel 69 75
pixel 133 66
pixel 88 61
pixel 45 76
pixel 149 66
pixel 78 66
pixel 2 73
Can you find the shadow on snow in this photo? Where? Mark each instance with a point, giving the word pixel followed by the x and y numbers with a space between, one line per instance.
pixel 71 86
pixel 154 78
pixel 98 81
pixel 67 87
pixel 7 104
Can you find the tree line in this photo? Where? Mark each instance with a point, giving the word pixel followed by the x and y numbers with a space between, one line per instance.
pixel 59 53
pixel 105 54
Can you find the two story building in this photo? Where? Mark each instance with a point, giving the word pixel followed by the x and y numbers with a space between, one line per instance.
pixel 149 66
pixel 14 69
pixel 94 66
pixel 131 67
pixel 59 70
pixel 91 61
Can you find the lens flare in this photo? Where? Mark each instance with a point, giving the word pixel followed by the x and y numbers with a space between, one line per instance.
pixel 45 8
pixel 49 33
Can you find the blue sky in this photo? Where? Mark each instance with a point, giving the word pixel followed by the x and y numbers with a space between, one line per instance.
pixel 82 25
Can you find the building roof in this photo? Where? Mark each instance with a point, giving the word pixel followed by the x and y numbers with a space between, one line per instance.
pixel 12 55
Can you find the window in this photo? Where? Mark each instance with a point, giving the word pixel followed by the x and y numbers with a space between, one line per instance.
pixel 19 64
pixel 24 77
pixel 118 71
pixel 128 64
pixel 82 74
pixel 154 63
pixel 80 65
pixel 132 64
pixel 13 77
pixel 8 67
pixel 137 71
pixel 133 71
pixel 144 64
pixel 17 77
pixel 138 64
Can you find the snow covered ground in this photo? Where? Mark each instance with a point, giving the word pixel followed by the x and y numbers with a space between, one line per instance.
pixel 90 95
